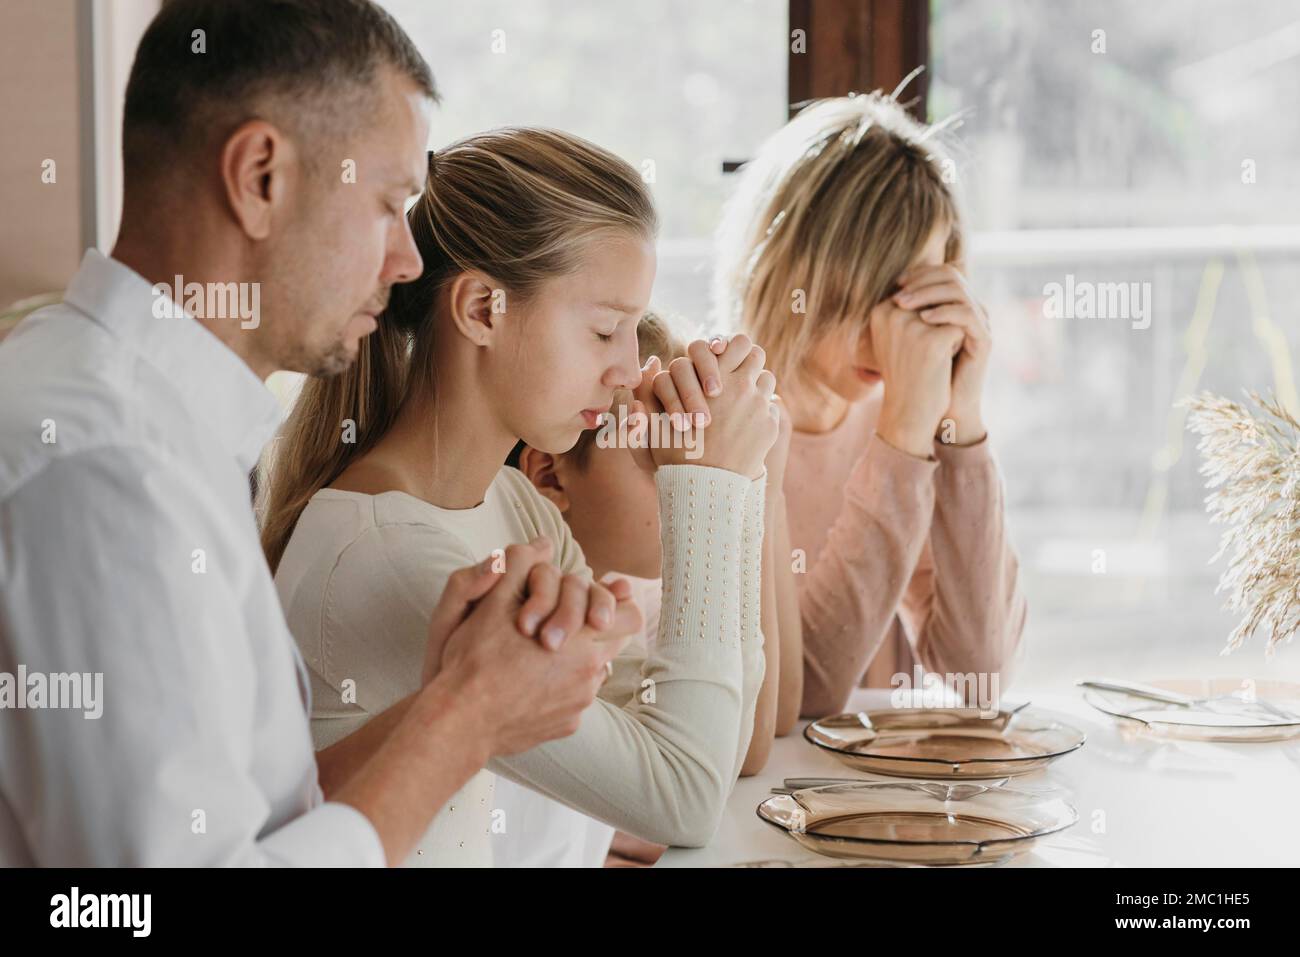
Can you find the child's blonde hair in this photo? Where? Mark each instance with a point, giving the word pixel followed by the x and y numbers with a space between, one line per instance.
pixel 824 219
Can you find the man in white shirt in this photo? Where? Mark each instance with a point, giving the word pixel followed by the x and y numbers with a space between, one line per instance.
pixel 153 707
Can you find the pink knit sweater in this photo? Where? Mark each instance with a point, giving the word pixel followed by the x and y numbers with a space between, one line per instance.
pixel 906 561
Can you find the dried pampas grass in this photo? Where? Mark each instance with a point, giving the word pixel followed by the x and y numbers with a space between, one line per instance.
pixel 1252 468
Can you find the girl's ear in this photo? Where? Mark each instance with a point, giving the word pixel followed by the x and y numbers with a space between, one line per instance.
pixel 471 299
pixel 540 468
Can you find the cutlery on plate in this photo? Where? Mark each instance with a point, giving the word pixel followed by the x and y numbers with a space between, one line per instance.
pixel 1153 693
pixel 952 792
pixel 1006 713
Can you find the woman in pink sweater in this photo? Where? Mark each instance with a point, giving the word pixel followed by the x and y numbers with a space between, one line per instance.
pixel 841 252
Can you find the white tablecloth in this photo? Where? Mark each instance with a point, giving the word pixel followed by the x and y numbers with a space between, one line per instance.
pixel 1141 802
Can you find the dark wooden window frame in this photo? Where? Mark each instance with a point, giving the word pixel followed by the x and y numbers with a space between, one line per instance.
pixel 858 46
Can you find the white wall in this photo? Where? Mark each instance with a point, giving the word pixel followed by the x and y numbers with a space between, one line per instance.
pixel 56 92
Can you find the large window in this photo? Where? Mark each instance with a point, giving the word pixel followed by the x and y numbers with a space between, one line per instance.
pixel 1139 150
pixel 1147 144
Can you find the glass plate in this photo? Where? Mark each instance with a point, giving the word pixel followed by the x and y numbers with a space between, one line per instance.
pixel 944 742
pixel 911 822
pixel 1204 724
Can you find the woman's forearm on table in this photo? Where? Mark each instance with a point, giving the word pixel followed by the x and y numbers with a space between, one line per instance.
pixel 977 616
pixel 852 592
pixel 789 625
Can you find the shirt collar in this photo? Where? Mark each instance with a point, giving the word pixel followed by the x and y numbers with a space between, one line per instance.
pixel 218 388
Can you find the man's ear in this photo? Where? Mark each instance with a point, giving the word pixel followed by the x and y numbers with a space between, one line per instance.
pixel 471 297
pixel 540 468
pixel 258 169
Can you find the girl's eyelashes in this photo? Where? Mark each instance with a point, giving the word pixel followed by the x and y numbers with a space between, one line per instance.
pixel 608 336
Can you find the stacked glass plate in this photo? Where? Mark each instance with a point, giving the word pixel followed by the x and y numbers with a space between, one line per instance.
pixel 916 822
pixel 956 806
pixel 944 743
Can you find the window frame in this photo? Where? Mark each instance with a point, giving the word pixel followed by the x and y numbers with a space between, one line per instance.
pixel 859 46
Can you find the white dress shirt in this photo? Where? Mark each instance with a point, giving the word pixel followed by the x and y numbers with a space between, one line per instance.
pixel 128 547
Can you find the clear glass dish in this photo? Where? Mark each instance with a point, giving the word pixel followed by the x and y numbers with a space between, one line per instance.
pixel 1231 711
pixel 918 823
pixel 943 742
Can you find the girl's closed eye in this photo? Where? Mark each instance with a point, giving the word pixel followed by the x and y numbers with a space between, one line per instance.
pixel 608 336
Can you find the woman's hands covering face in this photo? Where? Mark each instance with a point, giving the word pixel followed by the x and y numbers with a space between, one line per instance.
pixel 941 296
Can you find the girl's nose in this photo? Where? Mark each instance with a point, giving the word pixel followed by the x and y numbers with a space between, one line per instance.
pixel 625 373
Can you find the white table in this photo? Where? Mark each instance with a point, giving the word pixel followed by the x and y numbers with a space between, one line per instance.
pixel 1141 802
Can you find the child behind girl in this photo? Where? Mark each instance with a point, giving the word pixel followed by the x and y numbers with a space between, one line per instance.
pixel 607 497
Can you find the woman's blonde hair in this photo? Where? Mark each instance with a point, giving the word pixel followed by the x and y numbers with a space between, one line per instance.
pixel 824 220
pixel 517 204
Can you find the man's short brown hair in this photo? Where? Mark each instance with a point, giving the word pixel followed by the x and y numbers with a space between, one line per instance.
pixel 318 57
